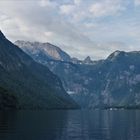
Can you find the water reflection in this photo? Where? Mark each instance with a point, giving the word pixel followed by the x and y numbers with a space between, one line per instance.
pixel 69 125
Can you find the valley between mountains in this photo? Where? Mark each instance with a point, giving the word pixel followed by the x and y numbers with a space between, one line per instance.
pixel 36 75
pixel 110 83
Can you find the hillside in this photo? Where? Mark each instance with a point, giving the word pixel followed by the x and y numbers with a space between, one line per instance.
pixel 33 84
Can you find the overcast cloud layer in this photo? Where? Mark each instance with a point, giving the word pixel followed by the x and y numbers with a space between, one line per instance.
pixel 80 27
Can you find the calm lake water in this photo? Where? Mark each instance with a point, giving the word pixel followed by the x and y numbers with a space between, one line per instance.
pixel 70 125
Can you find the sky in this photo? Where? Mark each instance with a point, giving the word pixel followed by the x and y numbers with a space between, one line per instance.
pixel 82 28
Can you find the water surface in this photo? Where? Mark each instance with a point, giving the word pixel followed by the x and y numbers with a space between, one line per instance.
pixel 70 125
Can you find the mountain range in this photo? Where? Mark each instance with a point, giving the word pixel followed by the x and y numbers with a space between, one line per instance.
pixel 112 82
pixel 26 84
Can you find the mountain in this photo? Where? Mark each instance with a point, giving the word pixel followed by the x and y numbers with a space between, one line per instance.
pixel 43 51
pixel 113 82
pixel 77 79
pixel 29 84
pixel 88 60
pixel 119 79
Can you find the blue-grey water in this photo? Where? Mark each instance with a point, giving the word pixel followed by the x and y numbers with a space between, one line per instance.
pixel 70 125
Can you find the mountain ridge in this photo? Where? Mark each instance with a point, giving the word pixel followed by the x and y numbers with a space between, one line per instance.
pixel 44 50
pixel 33 84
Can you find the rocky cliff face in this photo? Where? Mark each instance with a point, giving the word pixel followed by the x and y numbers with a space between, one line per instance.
pixel 43 51
pixel 113 82
pixel 33 84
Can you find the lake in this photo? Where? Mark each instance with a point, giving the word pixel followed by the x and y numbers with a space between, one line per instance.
pixel 70 125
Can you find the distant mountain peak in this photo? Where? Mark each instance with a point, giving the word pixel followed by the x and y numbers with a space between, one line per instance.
pixel 116 55
pixel 87 60
pixel 44 51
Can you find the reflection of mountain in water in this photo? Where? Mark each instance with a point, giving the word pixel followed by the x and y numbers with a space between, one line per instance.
pixel 69 125
pixel 32 125
pixel 104 125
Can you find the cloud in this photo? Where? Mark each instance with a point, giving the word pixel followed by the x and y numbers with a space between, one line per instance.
pixel 80 10
pixel 47 3
pixel 67 9
pixel 137 2
pixel 106 8
pixel 80 27
pixel 77 2
pixel 44 3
